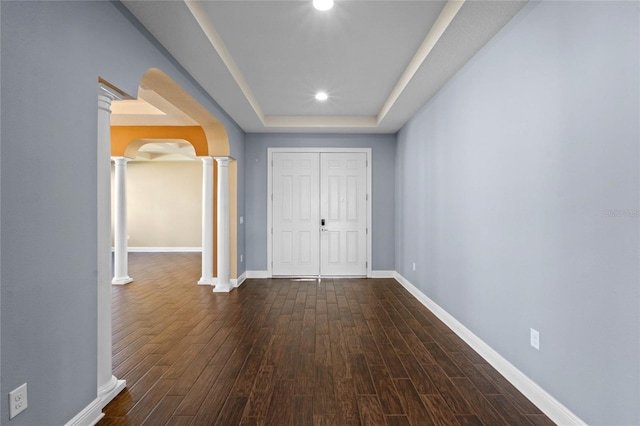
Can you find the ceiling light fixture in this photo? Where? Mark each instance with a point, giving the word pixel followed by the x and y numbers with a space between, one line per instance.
pixel 322 96
pixel 323 4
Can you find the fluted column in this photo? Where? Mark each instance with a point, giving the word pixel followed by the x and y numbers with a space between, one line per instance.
pixel 223 283
pixel 108 385
pixel 120 266
pixel 207 221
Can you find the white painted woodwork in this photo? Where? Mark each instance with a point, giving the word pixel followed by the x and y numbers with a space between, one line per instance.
pixel 120 266
pixel 296 214
pixel 207 221
pixel 343 206
pixel 108 385
pixel 306 188
pixel 223 282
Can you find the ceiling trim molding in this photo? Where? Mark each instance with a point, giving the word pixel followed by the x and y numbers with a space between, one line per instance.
pixel 216 41
pixel 445 18
pixel 443 21
pixel 319 121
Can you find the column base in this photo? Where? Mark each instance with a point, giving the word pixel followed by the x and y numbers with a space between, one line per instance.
pixel 110 391
pixel 206 281
pixel 121 280
pixel 223 288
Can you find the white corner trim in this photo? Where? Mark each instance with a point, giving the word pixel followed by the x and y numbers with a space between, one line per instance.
pixel 383 274
pixel 89 416
pixel 257 274
pixel 542 399
pixel 165 249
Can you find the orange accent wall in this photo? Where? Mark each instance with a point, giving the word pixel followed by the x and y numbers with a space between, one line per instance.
pixel 122 136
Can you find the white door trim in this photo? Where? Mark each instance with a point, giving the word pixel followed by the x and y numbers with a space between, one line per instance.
pixel 270 152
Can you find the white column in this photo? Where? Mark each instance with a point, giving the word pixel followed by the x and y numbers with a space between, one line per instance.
pixel 207 221
pixel 223 283
pixel 120 223
pixel 108 385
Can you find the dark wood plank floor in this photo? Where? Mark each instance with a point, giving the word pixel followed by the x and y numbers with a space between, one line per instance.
pixel 284 352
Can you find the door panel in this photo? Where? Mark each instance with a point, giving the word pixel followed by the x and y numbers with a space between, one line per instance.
pixel 295 208
pixel 343 205
pixel 306 188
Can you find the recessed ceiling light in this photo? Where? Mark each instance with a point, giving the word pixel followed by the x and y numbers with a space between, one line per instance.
pixel 322 96
pixel 323 4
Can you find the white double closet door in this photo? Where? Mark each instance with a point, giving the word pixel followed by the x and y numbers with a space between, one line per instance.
pixel 319 214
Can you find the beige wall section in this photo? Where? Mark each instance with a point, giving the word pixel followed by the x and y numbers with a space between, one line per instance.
pixel 164 203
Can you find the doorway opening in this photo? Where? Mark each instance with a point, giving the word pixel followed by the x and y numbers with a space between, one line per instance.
pixel 164 198
pixel 165 102
pixel 319 212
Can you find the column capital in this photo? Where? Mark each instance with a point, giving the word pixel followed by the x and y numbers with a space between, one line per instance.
pixel 108 92
pixel 121 160
pixel 206 159
pixel 106 95
pixel 224 161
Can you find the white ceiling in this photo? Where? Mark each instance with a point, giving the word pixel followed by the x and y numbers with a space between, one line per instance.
pixel 379 61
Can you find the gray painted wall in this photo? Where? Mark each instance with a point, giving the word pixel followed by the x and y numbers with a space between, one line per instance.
pixel 517 197
pixel 52 54
pixel 383 181
pixel 2 407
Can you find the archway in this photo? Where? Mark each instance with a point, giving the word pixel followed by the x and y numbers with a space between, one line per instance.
pixel 159 90
pixel 150 145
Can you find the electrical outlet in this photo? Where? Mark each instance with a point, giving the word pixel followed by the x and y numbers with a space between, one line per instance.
pixel 17 401
pixel 414 266
pixel 535 339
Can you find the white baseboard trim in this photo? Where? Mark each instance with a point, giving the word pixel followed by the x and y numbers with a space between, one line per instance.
pixel 374 274
pixel 207 281
pixel 164 249
pixel 121 280
pixel 557 412
pixel 237 282
pixel 110 390
pixel 257 274
pixel 91 415
pixel 383 274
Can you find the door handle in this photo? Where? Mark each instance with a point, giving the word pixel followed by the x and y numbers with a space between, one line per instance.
pixel 324 230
